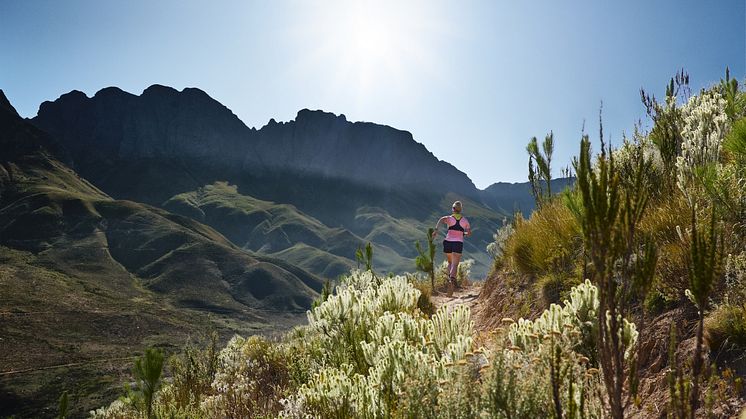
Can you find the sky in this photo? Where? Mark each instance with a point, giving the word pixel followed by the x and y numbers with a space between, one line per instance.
pixel 471 80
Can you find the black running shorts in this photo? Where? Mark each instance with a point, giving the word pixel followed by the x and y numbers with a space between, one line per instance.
pixel 453 247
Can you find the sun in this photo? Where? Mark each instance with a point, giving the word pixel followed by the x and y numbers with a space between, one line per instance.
pixel 369 44
pixel 370 38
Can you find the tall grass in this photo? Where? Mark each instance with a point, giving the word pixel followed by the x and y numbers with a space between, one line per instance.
pixel 548 242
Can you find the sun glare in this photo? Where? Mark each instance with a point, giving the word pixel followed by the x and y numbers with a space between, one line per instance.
pixel 368 44
pixel 370 38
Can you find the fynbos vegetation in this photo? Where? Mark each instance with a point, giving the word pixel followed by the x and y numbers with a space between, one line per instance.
pixel 426 261
pixel 540 168
pixel 641 242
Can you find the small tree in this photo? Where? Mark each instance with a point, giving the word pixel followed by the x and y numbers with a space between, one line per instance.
pixel 426 262
pixel 365 257
pixel 540 167
pixel 326 291
pixel 148 371
pixel 704 263
pixel 622 264
pixel 667 121
pixel 730 90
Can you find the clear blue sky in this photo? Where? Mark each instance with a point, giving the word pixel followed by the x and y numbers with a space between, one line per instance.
pixel 471 80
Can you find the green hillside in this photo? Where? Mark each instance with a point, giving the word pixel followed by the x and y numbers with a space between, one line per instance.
pixel 88 280
pixel 284 232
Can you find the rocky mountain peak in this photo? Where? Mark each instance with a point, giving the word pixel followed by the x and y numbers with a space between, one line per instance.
pixel 5 105
pixel 307 115
pixel 159 90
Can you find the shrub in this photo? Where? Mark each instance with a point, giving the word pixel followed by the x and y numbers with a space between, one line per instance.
pixel 705 124
pixel 148 371
pixel 513 389
pixel 661 222
pixel 735 141
pixel 343 320
pixel 667 123
pixel 192 373
pixel 622 263
pixel 577 318
pixel 138 403
pixel 379 348
pixel 425 262
pixel 304 349
pixel 627 157
pixel 725 327
pixel 424 302
pixel 549 241
pixel 121 408
pixel 496 249
pixel 251 380
pixel 543 168
pixel 462 274
pixel 554 287
pixel 548 366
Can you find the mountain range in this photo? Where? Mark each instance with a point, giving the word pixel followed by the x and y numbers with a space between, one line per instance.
pixel 89 279
pixel 129 221
pixel 311 190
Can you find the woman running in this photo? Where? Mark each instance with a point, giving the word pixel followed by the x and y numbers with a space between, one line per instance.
pixel 453 245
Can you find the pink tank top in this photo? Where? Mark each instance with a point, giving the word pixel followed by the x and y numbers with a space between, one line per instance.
pixel 456 228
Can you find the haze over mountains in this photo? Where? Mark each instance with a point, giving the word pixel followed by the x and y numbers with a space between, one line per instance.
pixel 310 190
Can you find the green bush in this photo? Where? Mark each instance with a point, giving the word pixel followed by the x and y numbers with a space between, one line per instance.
pixel 462 274
pixel 148 371
pixel 547 242
pixel 725 327
pixel 735 141
pixel 192 374
pixel 554 287
pixel 424 302
pixel 252 379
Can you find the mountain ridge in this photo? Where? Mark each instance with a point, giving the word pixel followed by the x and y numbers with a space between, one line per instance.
pixel 258 148
pixel 164 143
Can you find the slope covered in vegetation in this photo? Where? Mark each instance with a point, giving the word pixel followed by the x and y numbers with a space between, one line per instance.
pixel 661 220
pixel 88 280
pixel 644 251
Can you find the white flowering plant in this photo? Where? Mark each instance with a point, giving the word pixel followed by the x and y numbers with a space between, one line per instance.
pixel 462 273
pixel 705 124
pixel 496 249
pixel 377 344
pixel 640 149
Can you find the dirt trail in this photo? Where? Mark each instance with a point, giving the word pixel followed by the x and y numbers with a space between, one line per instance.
pixel 467 296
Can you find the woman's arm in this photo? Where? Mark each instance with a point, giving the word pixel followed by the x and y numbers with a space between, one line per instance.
pixel 435 230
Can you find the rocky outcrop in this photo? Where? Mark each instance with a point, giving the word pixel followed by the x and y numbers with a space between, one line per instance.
pixel 328 145
pixel 160 123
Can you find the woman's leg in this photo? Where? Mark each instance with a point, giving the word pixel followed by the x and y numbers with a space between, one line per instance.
pixel 455 259
pixel 449 257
